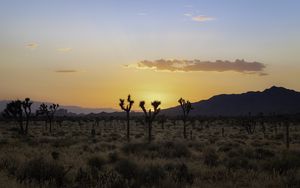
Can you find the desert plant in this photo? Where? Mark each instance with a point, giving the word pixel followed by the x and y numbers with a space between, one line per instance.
pixel 16 109
pixel 127 110
pixel 49 112
pixel 26 104
pixel 186 107
pixel 150 115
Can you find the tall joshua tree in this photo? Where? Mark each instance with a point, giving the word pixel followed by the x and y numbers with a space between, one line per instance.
pixel 127 109
pixel 150 115
pixel 49 112
pixel 186 107
pixel 14 111
pixel 26 104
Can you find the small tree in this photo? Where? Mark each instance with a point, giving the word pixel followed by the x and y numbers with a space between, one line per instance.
pixel 127 110
pixel 26 104
pixel 150 115
pixel 49 112
pixel 186 107
pixel 14 111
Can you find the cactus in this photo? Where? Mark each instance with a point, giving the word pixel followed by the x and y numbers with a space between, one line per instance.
pixel 186 107
pixel 127 110
pixel 150 116
pixel 49 112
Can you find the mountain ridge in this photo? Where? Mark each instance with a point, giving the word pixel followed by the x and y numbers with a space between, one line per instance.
pixel 275 99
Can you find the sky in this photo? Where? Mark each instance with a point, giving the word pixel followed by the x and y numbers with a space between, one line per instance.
pixel 91 53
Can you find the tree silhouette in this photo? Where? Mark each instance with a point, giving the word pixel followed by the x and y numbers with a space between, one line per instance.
pixel 186 107
pixel 26 104
pixel 127 110
pixel 14 111
pixel 150 115
pixel 49 112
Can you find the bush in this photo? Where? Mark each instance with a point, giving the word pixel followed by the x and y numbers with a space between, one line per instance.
pixel 289 160
pixel 96 162
pixel 238 162
pixel 128 169
pixel 113 157
pixel 210 157
pixel 10 164
pixel 181 175
pixel 164 150
pixel 41 171
pixel 152 175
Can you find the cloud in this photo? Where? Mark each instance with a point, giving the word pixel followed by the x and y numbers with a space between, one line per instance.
pixel 187 14
pixel 142 14
pixel 32 45
pixel 240 66
pixel 202 18
pixel 64 50
pixel 65 71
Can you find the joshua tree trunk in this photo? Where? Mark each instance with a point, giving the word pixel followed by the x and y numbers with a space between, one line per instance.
pixel 223 131
pixel 149 131
pixel 184 129
pixel 50 125
pixel 21 127
pixel 287 126
pixel 128 126
pixel 26 127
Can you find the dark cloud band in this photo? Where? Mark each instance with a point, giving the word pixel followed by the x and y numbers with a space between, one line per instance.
pixel 197 65
pixel 66 71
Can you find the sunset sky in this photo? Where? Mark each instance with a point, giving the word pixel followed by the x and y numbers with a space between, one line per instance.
pixel 91 53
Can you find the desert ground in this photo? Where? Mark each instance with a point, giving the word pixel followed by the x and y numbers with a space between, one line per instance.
pixel 216 153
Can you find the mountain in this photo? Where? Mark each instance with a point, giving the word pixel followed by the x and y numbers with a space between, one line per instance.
pixel 277 100
pixel 72 109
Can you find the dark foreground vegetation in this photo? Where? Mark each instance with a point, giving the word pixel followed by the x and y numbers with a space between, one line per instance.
pixel 87 151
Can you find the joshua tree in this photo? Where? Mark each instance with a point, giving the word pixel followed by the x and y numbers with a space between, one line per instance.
pixel 14 111
pixel 150 115
pixel 26 104
pixel 49 111
pixel 186 107
pixel 127 110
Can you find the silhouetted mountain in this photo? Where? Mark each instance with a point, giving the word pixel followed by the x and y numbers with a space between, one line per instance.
pixel 277 100
pixel 72 109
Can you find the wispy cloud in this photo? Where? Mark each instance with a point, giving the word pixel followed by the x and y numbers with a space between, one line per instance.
pixel 241 66
pixel 142 14
pixel 65 71
pixel 32 45
pixel 202 18
pixel 64 50
pixel 187 14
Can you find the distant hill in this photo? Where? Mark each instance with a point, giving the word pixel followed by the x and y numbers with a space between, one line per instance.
pixel 277 100
pixel 72 109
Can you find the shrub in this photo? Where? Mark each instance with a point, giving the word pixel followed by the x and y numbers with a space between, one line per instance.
pixel 181 175
pixel 96 162
pixel 164 150
pixel 289 160
pixel 113 157
pixel 152 175
pixel 55 155
pixel 10 164
pixel 210 157
pixel 41 171
pixel 128 169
